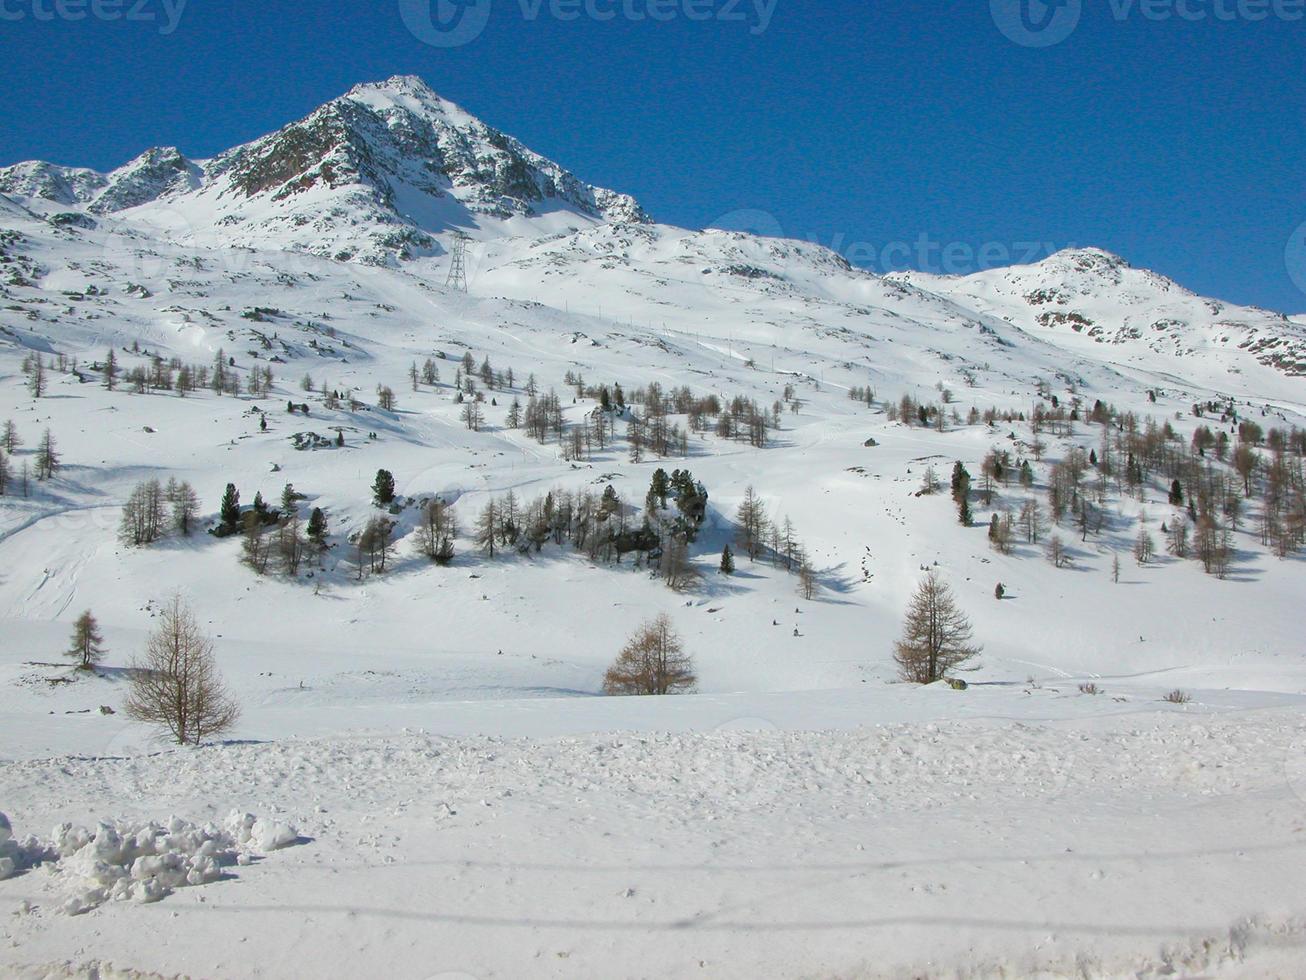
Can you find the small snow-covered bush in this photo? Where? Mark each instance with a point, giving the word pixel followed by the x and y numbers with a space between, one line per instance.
pixel 1177 697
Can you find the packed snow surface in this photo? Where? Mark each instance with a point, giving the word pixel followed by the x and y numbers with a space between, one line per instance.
pixel 1154 844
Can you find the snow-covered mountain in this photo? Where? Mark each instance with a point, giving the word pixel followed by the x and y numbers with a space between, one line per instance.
pixel 1086 297
pixel 373 175
pixel 389 171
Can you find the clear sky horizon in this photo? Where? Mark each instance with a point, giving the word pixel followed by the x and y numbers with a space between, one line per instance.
pixel 1174 142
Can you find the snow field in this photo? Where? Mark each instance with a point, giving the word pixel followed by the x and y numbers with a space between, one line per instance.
pixel 1104 848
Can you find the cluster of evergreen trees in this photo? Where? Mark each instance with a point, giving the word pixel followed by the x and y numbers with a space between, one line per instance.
pixel 495 380
pixel 437 531
pixel 863 394
pixel 603 527
pixel 273 539
pixel 654 434
pixel 911 412
pixel 374 546
pixel 744 419
pixel 173 375
pixel 36 370
pixel 650 430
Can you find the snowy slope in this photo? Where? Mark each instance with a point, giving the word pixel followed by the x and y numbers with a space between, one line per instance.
pixel 713 311
pixel 814 326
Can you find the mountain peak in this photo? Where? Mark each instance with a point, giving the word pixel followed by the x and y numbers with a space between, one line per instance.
pixel 51 182
pixel 410 94
pixel 398 157
pixel 1088 268
pixel 1087 259
pixel 373 175
pixel 157 171
pixel 403 84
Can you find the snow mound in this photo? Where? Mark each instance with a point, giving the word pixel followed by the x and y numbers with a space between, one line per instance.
pixel 264 835
pixel 8 862
pixel 16 855
pixel 141 861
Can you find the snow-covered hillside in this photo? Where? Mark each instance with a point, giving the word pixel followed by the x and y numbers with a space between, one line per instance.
pixel 1089 297
pixel 445 723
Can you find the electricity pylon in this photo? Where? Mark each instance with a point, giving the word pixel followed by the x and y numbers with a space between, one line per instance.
pixel 458 263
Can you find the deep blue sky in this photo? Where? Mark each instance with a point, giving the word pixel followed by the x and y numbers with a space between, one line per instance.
pixel 1178 145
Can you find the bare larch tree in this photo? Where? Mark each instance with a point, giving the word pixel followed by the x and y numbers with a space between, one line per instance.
pixel 176 684
pixel 87 646
pixel 654 661
pixel 936 637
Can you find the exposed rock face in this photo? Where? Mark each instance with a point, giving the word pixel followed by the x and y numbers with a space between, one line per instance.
pixel 154 173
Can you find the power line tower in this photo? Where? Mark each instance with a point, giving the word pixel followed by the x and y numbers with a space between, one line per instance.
pixel 458 263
